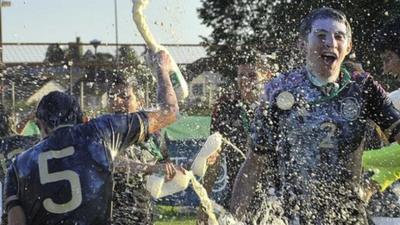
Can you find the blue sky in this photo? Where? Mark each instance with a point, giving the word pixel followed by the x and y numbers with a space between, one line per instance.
pixel 171 21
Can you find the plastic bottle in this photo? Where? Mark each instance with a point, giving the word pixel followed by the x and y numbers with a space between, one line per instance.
pixel 158 188
pixel 212 145
pixel 179 82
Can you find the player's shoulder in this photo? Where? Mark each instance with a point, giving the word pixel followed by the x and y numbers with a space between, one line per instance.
pixel 361 77
pixel 14 142
pixel 92 127
pixel 283 82
pixel 109 118
pixel 31 153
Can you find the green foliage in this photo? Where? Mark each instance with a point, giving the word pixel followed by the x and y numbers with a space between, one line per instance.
pixel 272 26
pixel 74 52
pixel 138 73
pixel 54 54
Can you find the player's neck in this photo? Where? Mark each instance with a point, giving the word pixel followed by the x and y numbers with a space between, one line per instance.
pixel 319 80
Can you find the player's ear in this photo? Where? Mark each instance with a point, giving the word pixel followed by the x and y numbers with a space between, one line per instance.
pixel 85 119
pixel 44 130
pixel 349 47
pixel 302 45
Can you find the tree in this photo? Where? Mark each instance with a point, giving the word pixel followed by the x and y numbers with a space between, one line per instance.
pixel 272 26
pixel 235 24
pixel 74 52
pixel 138 73
pixel 54 54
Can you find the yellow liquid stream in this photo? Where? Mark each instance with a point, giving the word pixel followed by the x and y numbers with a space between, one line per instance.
pixel 205 201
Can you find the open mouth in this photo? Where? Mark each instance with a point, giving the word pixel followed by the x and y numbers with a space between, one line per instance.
pixel 329 57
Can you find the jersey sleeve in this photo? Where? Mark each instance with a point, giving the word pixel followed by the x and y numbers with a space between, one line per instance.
pixel 10 147
pixel 11 189
pixel 122 130
pixel 381 109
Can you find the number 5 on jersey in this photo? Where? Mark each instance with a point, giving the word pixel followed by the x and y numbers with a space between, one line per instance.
pixel 68 175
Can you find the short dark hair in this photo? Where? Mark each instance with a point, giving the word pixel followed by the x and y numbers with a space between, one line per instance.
pixel 248 55
pixel 323 13
pixel 353 66
pixel 389 36
pixel 58 108
pixel 5 122
pixel 120 81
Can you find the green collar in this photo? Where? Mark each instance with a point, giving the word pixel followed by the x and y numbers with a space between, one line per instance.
pixel 334 89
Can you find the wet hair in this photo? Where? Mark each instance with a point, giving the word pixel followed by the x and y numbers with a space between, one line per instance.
pixel 389 36
pixel 5 122
pixel 250 56
pixel 120 82
pixel 353 66
pixel 323 13
pixel 58 108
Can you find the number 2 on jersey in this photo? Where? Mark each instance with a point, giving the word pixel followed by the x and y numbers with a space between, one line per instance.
pixel 327 142
pixel 68 175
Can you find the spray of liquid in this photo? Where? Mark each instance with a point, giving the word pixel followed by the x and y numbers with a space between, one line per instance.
pixel 205 200
pixel 234 147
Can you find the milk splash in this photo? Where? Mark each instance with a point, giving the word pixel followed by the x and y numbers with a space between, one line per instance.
pixel 178 81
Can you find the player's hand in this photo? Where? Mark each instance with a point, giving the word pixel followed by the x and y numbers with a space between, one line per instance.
pixel 212 159
pixel 168 168
pixel 161 61
pixel 171 169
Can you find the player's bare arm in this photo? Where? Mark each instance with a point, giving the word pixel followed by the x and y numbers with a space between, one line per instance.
pixel 168 168
pixel 16 216
pixel 245 183
pixel 166 97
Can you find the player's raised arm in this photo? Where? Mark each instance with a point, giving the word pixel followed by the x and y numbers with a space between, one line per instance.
pixel 168 105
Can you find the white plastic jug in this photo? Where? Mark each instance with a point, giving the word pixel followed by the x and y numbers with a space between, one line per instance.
pixel 395 97
pixel 179 83
pixel 212 145
pixel 158 188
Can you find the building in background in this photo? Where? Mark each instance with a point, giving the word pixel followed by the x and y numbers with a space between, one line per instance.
pixel 33 70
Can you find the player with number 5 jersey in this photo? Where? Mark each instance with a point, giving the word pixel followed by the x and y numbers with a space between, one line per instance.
pixel 67 177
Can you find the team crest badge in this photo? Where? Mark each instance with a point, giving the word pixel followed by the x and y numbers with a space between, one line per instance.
pixel 350 108
pixel 285 100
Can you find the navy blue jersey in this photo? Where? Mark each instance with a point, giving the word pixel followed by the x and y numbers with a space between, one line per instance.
pixel 12 146
pixel 314 144
pixel 67 177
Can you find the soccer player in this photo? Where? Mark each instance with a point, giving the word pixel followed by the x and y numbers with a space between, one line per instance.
pixel 386 204
pixel 231 117
pixel 131 201
pixel 388 44
pixel 67 177
pixel 11 144
pixel 309 130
